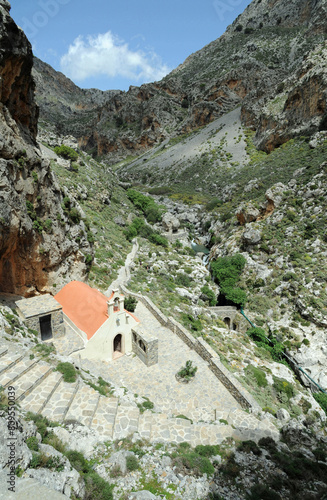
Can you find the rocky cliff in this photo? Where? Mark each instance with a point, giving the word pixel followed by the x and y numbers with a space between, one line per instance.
pixel 263 56
pixel 35 245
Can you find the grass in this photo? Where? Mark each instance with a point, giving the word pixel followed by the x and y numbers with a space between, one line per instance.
pixel 68 370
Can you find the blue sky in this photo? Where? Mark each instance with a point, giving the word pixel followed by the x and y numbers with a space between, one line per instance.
pixel 110 44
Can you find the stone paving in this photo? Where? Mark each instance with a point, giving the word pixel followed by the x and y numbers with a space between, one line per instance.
pixel 36 400
pixel 42 390
pixel 197 400
pixel 68 343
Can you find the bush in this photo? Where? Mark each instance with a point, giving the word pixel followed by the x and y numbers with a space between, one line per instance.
pixel 321 398
pixel 42 423
pixel 146 204
pixel 263 492
pixel 257 374
pixel 210 295
pixel 74 215
pixel 68 371
pixel 66 152
pixel 207 450
pixel 130 303
pixel 157 239
pixel 249 446
pixel 215 202
pixel 282 386
pixel 32 443
pixel 96 487
pixel 183 280
pixel 188 371
pixel 132 463
pixel 227 271
pixel 78 461
pixel 257 334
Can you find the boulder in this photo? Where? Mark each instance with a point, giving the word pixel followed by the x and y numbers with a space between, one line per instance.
pixel 283 415
pixel 247 212
pixel 274 196
pixel 170 223
pixel 251 236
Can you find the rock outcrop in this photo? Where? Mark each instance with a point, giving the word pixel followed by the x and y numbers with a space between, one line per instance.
pixel 255 64
pixel 35 245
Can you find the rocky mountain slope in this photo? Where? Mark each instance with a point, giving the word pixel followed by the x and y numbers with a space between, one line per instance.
pixel 35 244
pixel 261 63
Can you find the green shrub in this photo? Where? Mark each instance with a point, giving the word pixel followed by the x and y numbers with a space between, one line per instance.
pixel 132 463
pixel 96 487
pixel 282 386
pixel 130 303
pixel 32 443
pixel 257 334
pixel 249 446
pixel 42 423
pixel 210 294
pixel 262 492
pixel 35 461
pixel 321 398
pixel 227 271
pixel 74 215
pixel 257 374
pixel 78 461
pixel 194 463
pixel 207 450
pixel 188 371
pixel 66 152
pixel 183 279
pixel 215 202
pixel 146 204
pixel 68 371
pixel 157 239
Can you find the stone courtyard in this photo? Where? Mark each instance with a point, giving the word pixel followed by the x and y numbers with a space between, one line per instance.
pixel 197 400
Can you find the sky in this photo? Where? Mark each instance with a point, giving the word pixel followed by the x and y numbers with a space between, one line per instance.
pixel 109 44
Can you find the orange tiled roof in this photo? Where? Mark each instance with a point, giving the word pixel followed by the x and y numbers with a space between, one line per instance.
pixel 84 306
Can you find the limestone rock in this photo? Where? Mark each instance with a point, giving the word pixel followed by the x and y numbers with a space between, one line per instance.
pixel 274 196
pixel 283 415
pixel 246 212
pixel 170 223
pixel 34 232
pixel 251 236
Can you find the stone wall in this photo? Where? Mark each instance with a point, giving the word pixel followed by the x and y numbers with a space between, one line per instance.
pixel 145 346
pixel 203 349
pixel 57 323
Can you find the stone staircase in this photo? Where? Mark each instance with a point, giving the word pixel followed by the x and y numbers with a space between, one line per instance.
pixel 41 390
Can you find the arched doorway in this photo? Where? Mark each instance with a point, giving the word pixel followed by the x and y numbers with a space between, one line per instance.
pixel 118 343
pixel 227 322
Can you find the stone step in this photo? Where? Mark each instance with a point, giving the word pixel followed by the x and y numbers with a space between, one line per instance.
pixel 10 376
pixel 210 434
pixel 247 426
pixel 3 351
pixel 36 400
pixel 126 422
pixel 174 430
pixel 8 361
pixel 145 424
pixel 32 379
pixel 104 418
pixel 59 403
pixel 84 405
pixel 161 428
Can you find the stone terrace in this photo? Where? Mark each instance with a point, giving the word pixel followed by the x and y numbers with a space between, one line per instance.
pixel 197 400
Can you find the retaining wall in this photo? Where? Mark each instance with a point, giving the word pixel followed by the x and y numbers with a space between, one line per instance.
pixel 203 349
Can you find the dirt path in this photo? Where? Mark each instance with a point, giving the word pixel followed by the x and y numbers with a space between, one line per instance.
pixel 124 274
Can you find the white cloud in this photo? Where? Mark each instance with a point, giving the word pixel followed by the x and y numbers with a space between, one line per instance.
pixel 105 54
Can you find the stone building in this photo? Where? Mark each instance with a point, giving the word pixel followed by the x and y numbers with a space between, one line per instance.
pixel 102 322
pixel 43 314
